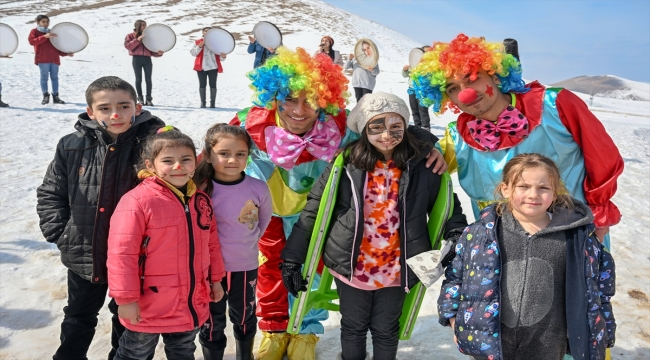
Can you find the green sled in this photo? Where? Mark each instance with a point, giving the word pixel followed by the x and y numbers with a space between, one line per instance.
pixel 324 297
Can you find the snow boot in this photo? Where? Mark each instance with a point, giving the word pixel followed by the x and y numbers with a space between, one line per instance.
pixel 46 99
pixel 3 104
pixel 245 349
pixel 213 97
pixel 56 99
pixel 140 100
pixel 149 103
pixel 202 94
pixel 212 354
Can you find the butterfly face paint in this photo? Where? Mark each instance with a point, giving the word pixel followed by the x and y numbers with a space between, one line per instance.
pixel 386 131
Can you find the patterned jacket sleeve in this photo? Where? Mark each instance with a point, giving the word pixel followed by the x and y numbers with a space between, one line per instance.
pixel 603 162
pixel 607 285
pixel 449 299
pixel 53 207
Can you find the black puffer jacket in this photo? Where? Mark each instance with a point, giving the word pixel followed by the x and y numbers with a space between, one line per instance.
pixel 82 186
pixel 418 190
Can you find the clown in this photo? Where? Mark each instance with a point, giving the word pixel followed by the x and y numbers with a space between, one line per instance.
pixel 298 124
pixel 501 117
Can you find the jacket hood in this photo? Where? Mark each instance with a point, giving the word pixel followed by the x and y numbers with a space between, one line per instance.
pixel 563 218
pixel 87 125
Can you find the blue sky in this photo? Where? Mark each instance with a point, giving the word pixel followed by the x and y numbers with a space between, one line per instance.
pixel 557 39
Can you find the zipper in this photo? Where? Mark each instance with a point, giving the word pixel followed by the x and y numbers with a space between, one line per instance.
pixel 406 278
pixel 356 224
pixel 188 217
pixel 496 230
pixel 99 201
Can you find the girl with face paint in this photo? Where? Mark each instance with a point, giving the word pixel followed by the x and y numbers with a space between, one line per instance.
pixel 386 189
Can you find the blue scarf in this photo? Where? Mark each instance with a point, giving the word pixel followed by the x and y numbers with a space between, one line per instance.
pixel 43 29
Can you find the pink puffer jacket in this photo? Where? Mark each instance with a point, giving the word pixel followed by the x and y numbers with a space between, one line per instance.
pixel 182 256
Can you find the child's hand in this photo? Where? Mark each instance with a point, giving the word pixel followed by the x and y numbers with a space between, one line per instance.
pixel 452 322
pixel 140 37
pixel 217 292
pixel 160 52
pixel 49 35
pixel 130 312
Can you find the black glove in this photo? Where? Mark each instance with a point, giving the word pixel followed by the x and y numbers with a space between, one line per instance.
pixel 292 277
pixel 452 236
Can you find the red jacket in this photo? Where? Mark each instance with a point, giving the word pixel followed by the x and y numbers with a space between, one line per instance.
pixel 198 62
pixel 136 47
pixel 183 252
pixel 44 50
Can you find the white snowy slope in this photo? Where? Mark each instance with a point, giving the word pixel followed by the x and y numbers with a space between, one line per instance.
pixel 610 86
pixel 32 279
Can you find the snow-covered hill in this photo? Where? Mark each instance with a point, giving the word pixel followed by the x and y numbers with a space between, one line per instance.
pixel 608 86
pixel 32 279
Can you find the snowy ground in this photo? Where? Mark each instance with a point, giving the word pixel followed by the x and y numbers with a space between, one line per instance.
pixel 32 279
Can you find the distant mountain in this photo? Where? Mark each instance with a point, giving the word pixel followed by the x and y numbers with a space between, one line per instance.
pixel 608 86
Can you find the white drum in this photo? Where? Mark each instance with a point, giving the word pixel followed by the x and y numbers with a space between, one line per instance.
pixel 267 34
pixel 70 37
pixel 366 53
pixel 159 37
pixel 8 40
pixel 415 56
pixel 219 41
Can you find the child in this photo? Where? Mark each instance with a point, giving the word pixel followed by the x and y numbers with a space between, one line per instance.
pixel 530 273
pixel 91 170
pixel 141 60
pixel 242 206
pixel 47 58
pixel 164 259
pixel 386 189
pixel 207 65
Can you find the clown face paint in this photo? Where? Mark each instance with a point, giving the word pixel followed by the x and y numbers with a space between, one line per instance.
pixel 485 103
pixel 385 132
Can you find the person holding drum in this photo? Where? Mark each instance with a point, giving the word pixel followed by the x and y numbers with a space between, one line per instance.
pixel 420 113
pixel 363 78
pixel 207 66
pixel 3 104
pixel 141 60
pixel 261 53
pixel 325 47
pixel 47 57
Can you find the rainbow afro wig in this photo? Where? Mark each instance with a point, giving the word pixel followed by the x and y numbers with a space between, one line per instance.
pixel 288 73
pixel 460 57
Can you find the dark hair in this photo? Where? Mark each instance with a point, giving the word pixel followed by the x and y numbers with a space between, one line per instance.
pixel 511 47
pixel 159 141
pixel 363 154
pixel 137 26
pixel 109 83
pixel 41 17
pixel 204 171
pixel 514 169
pixel 207 27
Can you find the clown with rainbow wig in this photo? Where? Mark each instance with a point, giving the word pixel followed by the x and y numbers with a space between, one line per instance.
pixel 298 125
pixel 501 117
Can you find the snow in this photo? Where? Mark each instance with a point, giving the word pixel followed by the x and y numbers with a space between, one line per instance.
pixel 32 279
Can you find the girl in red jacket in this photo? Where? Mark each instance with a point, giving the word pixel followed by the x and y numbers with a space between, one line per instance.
pixel 141 59
pixel 207 65
pixel 47 58
pixel 164 258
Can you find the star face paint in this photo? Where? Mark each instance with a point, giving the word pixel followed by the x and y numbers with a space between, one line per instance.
pixel 385 132
pixel 489 90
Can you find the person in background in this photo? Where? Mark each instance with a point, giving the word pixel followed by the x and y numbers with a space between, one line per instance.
pixel 47 57
pixel 512 48
pixel 141 60
pixel 420 113
pixel 207 66
pixel 261 53
pixel 326 44
pixel 363 79
pixel 2 104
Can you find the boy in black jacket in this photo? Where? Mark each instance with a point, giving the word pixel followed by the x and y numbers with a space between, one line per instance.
pixel 92 168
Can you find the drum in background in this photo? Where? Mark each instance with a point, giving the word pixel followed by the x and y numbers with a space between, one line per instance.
pixel 70 37
pixel 267 34
pixel 219 41
pixel 415 56
pixel 8 40
pixel 159 37
pixel 366 53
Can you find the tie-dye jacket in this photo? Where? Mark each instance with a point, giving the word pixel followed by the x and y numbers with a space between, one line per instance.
pixel 590 284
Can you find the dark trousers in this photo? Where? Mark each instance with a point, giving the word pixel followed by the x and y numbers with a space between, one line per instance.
pixel 85 299
pixel 374 310
pixel 239 295
pixel 140 346
pixel 203 77
pixel 419 112
pixel 359 92
pixel 142 63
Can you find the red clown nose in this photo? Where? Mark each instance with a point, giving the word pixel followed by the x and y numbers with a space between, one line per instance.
pixel 467 96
